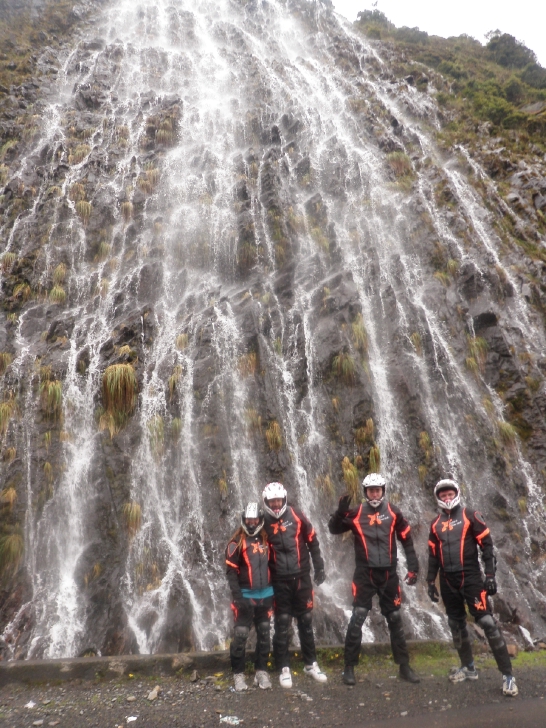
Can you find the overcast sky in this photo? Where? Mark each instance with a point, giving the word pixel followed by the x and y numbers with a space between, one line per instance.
pixel 524 19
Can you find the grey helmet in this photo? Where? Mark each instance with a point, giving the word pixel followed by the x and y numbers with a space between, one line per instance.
pixel 252 510
pixel 447 484
pixel 374 480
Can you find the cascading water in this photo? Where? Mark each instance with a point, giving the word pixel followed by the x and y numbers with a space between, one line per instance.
pixel 236 203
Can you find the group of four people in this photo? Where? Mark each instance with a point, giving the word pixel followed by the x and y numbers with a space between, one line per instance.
pixel 268 562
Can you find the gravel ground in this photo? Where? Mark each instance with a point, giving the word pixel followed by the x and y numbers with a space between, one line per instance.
pixel 379 694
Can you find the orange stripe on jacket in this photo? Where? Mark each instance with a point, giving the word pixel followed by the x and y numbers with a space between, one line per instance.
pixel 356 521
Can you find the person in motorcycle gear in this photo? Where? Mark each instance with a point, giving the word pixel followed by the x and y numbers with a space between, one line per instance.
pixel 454 538
pixel 249 578
pixel 293 545
pixel 376 525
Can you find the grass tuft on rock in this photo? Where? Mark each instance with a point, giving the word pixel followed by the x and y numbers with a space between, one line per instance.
pixel 351 478
pixel 273 435
pixel 5 361
pixel 119 388
pixel 132 517
pixel 11 552
pixel 343 368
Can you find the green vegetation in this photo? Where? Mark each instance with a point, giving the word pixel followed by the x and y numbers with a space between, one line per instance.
pixel 325 485
pixel 248 364
pixel 119 388
pixel 84 210
pixel 132 517
pixel 416 342
pixel 51 396
pixel 351 478
pixel 57 294
pixel 360 335
pixel 426 445
pixel 8 409
pixel 8 497
pixel 375 459
pixel 507 433
pixel 496 82
pixel 7 261
pixel 343 368
pixel 174 379
pixel 127 211
pixel 59 274
pixel 478 348
pixel 11 552
pixel 5 361
pixel 364 435
pixel 273 435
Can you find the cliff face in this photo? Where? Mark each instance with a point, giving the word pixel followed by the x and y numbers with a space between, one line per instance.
pixel 239 247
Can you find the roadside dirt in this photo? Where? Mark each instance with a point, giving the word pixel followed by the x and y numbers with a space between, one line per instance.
pixel 378 695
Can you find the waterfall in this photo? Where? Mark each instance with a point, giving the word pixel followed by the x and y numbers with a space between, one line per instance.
pixel 240 205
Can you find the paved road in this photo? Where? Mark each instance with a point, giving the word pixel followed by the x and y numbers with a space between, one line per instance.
pixel 521 714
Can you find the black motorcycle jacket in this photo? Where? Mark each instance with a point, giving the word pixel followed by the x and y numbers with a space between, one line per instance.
pixel 376 531
pixel 292 539
pixel 247 564
pixel 453 543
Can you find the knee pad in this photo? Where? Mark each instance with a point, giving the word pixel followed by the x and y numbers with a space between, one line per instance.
pixel 305 622
pixel 240 635
pixel 394 619
pixel 488 624
pixel 458 632
pixel 456 625
pixel 282 624
pixel 263 630
pixel 492 632
pixel 359 616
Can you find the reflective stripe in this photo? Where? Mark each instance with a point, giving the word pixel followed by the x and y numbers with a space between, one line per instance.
pixel 230 563
pixel 391 534
pixel 297 535
pixel 356 521
pixel 405 532
pixel 433 529
pixel 483 534
pixel 465 529
pixel 433 547
pixel 245 556
pixel 311 536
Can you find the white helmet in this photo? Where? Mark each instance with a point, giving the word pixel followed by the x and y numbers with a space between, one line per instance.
pixel 252 510
pixel 447 484
pixel 374 480
pixel 271 491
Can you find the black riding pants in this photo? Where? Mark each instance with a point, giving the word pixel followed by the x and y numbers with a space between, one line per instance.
pixel 258 612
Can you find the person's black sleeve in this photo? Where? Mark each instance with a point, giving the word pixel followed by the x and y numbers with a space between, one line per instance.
pixel 232 570
pixel 433 556
pixel 484 540
pixel 403 534
pixel 310 537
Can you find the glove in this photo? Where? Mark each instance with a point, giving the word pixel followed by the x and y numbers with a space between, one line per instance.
pixel 320 577
pixel 239 602
pixel 433 592
pixel 411 578
pixel 490 584
pixel 344 504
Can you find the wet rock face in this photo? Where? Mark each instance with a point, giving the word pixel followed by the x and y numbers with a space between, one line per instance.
pixel 226 265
